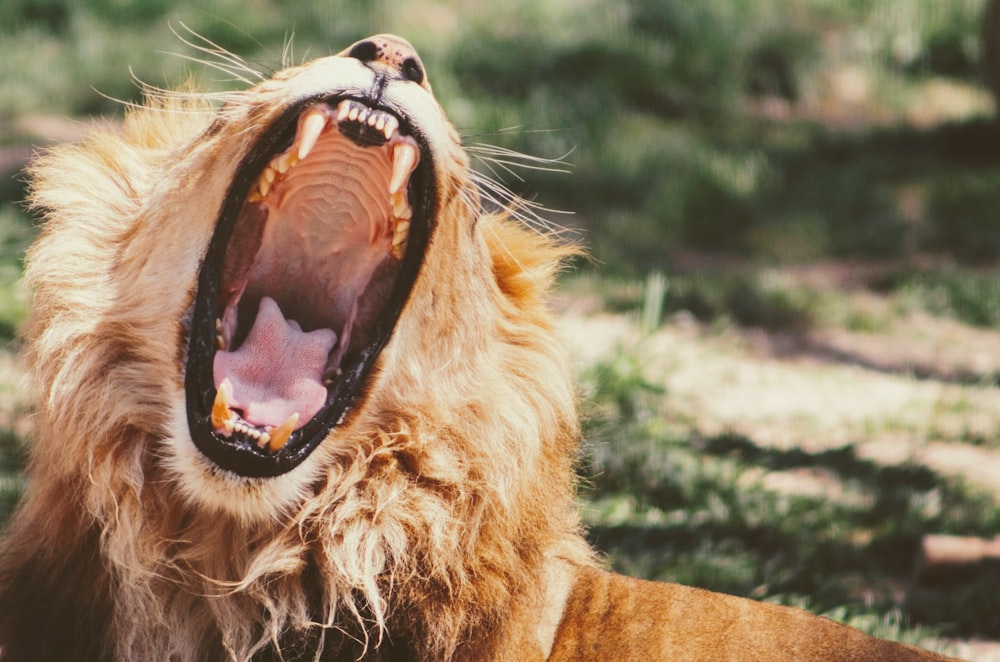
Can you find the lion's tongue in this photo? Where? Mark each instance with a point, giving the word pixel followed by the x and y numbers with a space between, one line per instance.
pixel 277 371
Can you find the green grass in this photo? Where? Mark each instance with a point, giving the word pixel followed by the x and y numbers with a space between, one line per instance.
pixel 668 503
pixel 650 98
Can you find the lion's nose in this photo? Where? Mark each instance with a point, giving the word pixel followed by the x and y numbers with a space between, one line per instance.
pixel 392 54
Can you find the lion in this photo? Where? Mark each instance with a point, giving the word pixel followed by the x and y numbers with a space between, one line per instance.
pixel 299 397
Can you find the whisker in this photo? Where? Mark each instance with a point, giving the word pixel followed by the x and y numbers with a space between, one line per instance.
pixel 209 47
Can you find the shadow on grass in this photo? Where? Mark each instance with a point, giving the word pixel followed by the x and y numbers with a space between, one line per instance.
pixel 920 372
pixel 693 520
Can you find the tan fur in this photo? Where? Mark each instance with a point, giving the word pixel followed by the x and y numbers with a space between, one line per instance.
pixel 436 523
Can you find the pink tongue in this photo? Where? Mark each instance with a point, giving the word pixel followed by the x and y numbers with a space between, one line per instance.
pixel 278 369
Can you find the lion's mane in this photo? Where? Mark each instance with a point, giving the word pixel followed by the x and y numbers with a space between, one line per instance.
pixel 422 522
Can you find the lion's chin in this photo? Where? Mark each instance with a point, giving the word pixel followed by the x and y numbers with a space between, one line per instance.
pixel 206 488
pixel 313 257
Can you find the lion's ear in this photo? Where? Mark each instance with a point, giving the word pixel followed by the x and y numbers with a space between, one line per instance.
pixel 525 261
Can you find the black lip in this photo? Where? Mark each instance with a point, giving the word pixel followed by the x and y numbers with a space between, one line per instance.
pixel 232 454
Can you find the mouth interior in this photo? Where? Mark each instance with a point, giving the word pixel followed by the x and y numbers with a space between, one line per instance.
pixel 308 287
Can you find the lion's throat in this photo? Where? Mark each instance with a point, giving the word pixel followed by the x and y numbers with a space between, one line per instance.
pixel 276 375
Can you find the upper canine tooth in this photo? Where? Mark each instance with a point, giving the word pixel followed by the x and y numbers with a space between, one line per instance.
pixel 404 159
pixel 312 126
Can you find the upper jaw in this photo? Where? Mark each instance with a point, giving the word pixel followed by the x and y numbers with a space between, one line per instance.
pixel 255 420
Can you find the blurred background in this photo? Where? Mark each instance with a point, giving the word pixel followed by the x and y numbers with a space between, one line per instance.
pixel 786 331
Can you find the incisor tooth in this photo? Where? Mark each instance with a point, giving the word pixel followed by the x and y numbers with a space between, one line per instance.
pixel 404 158
pixel 279 435
pixel 391 125
pixel 223 418
pixel 312 126
pixel 343 109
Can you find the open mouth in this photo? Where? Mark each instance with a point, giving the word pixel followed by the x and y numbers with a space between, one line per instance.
pixel 313 257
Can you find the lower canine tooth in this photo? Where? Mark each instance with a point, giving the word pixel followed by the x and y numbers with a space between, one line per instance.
pixel 279 435
pixel 223 418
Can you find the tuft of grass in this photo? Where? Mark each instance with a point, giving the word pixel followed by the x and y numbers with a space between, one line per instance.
pixel 969 296
pixel 746 297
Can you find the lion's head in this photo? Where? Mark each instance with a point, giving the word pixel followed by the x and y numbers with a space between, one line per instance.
pixel 293 376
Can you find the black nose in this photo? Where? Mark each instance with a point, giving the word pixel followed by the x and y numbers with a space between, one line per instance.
pixel 392 54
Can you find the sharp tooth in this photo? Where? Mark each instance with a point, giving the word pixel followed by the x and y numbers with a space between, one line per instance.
pixel 264 440
pixel 401 209
pixel 223 418
pixel 380 123
pixel 402 232
pixel 404 158
pixel 269 175
pixel 391 125
pixel 399 238
pixel 312 126
pixel 343 109
pixel 353 115
pixel 279 435
pixel 284 162
pixel 264 185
